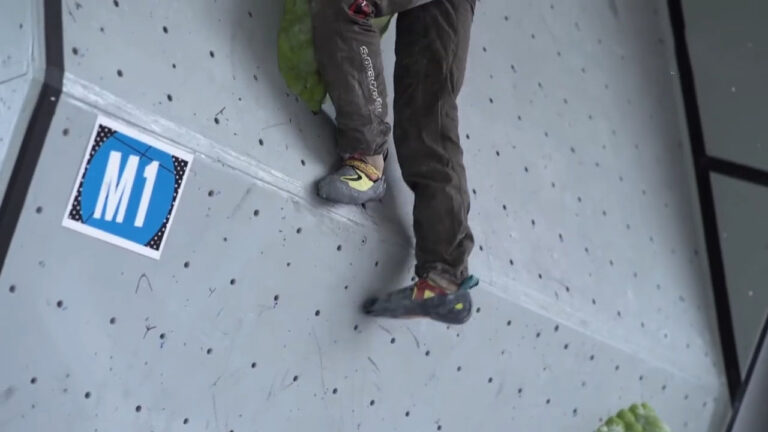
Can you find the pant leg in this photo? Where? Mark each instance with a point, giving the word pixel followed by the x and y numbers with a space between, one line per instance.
pixel 348 52
pixel 431 48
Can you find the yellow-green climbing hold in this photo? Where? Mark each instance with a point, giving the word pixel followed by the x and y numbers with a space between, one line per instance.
pixel 638 418
pixel 296 54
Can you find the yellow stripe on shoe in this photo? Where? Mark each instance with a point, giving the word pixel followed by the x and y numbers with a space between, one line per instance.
pixel 359 182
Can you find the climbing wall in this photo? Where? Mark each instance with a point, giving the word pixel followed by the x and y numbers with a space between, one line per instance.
pixel 594 293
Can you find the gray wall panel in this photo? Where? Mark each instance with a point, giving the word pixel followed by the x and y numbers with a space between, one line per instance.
pixel 742 210
pixel 728 43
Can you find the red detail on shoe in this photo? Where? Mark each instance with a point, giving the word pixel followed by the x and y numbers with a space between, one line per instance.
pixel 422 286
pixel 361 9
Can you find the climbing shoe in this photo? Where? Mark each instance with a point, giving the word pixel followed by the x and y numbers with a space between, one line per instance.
pixel 426 299
pixel 356 182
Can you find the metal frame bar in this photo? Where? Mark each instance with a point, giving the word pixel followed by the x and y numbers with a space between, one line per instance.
pixel 37 129
pixel 704 166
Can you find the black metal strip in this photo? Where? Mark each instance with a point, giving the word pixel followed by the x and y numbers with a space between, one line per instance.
pixel 37 129
pixel 736 170
pixel 736 406
pixel 706 200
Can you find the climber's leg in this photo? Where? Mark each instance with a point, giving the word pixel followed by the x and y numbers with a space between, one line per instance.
pixel 348 54
pixel 432 45
pixel 429 73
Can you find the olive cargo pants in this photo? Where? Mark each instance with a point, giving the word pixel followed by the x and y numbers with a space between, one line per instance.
pixel 431 49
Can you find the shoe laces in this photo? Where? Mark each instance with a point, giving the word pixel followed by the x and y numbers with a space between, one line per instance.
pixel 364 167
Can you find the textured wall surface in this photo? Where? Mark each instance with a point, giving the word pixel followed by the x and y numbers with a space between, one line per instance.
pixel 594 294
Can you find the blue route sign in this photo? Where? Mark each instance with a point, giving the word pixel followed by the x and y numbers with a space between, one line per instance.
pixel 128 188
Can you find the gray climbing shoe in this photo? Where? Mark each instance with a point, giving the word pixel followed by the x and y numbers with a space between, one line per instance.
pixel 354 183
pixel 426 299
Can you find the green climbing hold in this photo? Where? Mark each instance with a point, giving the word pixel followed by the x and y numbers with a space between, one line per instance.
pixel 638 418
pixel 296 53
